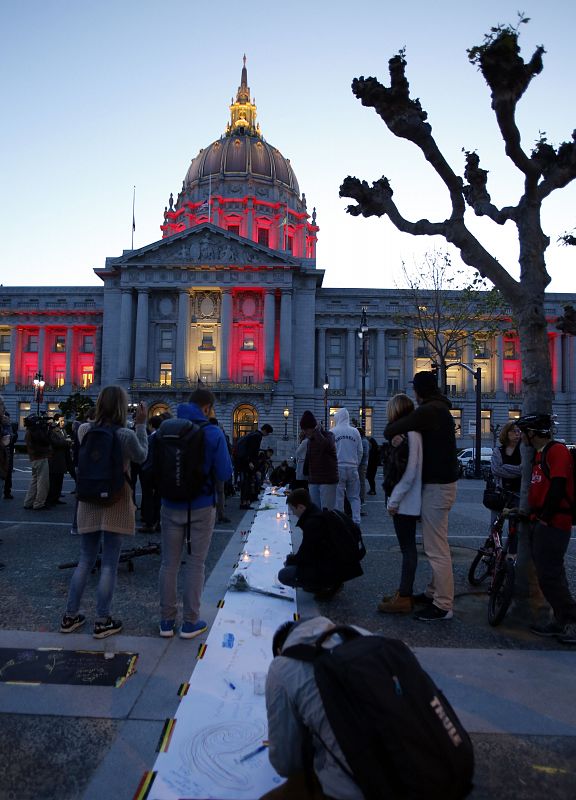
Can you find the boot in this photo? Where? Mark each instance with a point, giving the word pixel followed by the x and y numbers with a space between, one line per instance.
pixel 396 605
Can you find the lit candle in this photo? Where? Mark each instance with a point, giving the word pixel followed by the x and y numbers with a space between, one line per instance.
pixel 266 551
pixel 278 515
pixel 245 557
pixel 285 526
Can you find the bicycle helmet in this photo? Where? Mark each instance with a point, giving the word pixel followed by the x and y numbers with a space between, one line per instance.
pixel 540 423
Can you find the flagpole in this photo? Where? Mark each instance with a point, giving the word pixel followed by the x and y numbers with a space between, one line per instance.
pixel 133 217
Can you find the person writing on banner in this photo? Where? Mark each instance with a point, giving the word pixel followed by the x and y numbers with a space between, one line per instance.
pixel 106 527
pixel 247 452
pixel 551 505
pixel 404 505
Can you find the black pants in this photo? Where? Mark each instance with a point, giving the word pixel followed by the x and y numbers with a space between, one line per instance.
pixel 371 478
pixel 55 490
pixel 549 546
pixel 150 500
pixel 405 527
pixel 289 576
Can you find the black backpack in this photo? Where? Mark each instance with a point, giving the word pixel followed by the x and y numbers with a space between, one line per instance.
pixel 345 541
pixel 100 475
pixel 545 469
pixel 394 461
pixel 400 736
pixel 179 448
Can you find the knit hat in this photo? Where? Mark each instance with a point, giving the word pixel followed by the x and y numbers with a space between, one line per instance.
pixel 307 421
pixel 425 384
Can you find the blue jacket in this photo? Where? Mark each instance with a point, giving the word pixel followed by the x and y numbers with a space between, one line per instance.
pixel 217 464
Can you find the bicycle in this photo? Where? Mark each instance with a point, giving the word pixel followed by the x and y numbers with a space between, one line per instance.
pixel 497 559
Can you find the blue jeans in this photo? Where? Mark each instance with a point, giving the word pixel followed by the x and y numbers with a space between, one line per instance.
pixel 323 495
pixel 174 521
pixel 89 547
pixel 405 527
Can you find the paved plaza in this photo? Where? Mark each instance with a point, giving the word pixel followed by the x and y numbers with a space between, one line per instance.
pixel 514 692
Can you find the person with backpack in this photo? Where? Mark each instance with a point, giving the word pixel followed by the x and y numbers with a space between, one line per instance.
pixel 353 716
pixel 106 511
pixel 190 457
pixel 321 462
pixel 551 500
pixel 330 551
pixel 247 452
pixel 432 418
pixel 404 506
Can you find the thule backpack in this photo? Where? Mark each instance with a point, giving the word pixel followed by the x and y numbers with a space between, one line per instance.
pixel 399 735
pixel 100 475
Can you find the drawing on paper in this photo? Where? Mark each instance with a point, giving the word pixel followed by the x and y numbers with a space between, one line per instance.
pixel 215 752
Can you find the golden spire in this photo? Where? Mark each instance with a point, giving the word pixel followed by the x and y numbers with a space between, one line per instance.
pixel 243 110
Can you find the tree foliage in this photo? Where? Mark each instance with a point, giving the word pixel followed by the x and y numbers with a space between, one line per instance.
pixel 76 404
pixel 544 170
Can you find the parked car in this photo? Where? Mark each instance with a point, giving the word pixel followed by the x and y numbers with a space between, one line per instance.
pixel 467 455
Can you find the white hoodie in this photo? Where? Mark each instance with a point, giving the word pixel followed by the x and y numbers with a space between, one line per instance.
pixel 348 440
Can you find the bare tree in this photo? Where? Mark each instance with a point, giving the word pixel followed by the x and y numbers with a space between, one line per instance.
pixel 446 310
pixel 544 170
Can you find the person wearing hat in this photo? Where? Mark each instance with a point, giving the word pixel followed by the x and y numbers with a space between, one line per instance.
pixel 321 463
pixel 432 418
pixel 551 500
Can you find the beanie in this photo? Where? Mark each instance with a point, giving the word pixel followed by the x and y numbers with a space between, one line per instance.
pixel 425 384
pixel 308 420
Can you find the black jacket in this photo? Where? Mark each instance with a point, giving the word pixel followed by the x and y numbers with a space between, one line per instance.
pixel 432 418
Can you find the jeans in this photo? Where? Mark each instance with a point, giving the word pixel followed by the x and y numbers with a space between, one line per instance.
pixel 174 523
pixel 323 495
pixel 89 547
pixel 549 546
pixel 39 484
pixel 405 527
pixel 437 500
pixel 349 485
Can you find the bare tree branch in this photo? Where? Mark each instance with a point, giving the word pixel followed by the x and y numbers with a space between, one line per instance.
pixel 557 167
pixel 477 196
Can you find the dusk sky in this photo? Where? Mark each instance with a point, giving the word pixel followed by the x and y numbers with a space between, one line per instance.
pixel 98 97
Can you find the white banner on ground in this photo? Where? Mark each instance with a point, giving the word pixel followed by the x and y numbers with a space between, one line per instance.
pixel 217 744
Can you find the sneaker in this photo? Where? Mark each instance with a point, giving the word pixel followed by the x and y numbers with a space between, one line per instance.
pixel 431 613
pixel 108 628
pixel 71 623
pixel 549 629
pixel 422 599
pixel 191 629
pixel 568 636
pixel 167 627
pixel 396 605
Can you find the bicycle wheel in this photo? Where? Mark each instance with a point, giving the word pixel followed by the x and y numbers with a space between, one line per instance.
pixel 482 565
pixel 501 592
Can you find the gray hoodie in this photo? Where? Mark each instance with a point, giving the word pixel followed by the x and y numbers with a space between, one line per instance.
pixel 348 440
pixel 293 703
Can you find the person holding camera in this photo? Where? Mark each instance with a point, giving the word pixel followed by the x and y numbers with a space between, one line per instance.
pixel 37 440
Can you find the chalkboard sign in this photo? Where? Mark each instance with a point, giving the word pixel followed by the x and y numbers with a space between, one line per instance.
pixel 71 667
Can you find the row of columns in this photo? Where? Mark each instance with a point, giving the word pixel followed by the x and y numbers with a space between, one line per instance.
pixel 563 360
pixel 139 330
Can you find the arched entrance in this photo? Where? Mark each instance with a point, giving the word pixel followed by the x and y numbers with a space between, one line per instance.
pixel 245 420
pixel 158 408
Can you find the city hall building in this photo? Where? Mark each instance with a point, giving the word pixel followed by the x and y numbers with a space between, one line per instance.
pixel 231 297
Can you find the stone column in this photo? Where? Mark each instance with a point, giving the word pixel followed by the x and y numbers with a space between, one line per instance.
pixel 409 360
pixel 499 365
pixel 182 336
pixel 225 333
pixel 351 361
pixel 15 345
pixel 70 354
pixel 380 360
pixel 321 367
pixel 41 346
pixel 249 218
pixel 269 333
pixel 141 350
pixel 286 335
pixel 125 343
pixel 98 355
pixel 557 371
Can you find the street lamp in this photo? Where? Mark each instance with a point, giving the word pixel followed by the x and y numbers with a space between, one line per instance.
pixel 39 384
pixel 326 386
pixel 286 415
pixel 363 336
pixel 477 373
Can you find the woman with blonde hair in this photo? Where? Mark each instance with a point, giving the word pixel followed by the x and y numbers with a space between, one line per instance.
pixel 106 525
pixel 404 505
